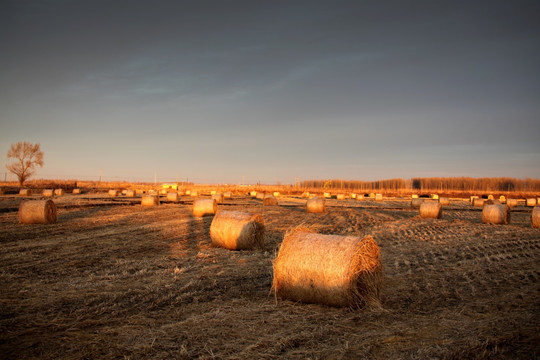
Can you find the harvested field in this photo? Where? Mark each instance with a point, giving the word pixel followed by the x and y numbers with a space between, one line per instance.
pixel 115 280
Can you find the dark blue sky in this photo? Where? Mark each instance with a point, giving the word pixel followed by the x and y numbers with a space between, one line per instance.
pixel 213 90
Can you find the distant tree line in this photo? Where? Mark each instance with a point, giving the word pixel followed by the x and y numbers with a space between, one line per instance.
pixel 426 184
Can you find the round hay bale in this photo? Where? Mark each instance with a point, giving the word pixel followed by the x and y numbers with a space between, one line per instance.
pixel 204 207
pixel 444 201
pixel 535 217
pixel 415 203
pixel 327 195
pixel 48 193
pixel 253 193
pixel 305 194
pixel 340 196
pixel 59 192
pixel 172 196
pixel 260 196
pixel 478 202
pixel 495 214
pixel 37 212
pixel 130 193
pixel 276 193
pixel 227 195
pixel 188 192
pixel 490 197
pixel 430 210
pixel 378 197
pixel 113 192
pixel 328 269
pixel 237 230
pixel 531 202
pixel 435 196
pixel 150 200
pixel 315 206
pixel 152 192
pixel 502 199
pixel 194 194
pixel 414 196
pixel 124 192
pixel 511 202
pixel 163 191
pixel 471 199
pixel 213 192
pixel 76 191
pixel 218 197
pixel 371 195
pixel 270 200
pixel 25 192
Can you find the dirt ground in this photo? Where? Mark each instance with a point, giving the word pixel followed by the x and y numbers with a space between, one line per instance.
pixel 114 280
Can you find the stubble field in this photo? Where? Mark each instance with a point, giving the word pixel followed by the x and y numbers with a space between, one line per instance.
pixel 115 280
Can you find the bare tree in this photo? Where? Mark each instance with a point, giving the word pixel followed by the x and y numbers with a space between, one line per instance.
pixel 25 158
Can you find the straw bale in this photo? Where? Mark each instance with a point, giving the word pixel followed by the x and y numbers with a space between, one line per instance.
pixel 227 195
pixel 152 192
pixel 435 196
pixel 531 202
pixel 48 193
pixel 431 210
pixel 535 217
pixel 237 230
pixel 194 194
pixel 76 191
pixel 495 214
pixel 444 201
pixel 328 269
pixel 340 196
pixel 25 192
pixel 471 199
pixel 213 192
pixel 130 193
pixel 378 197
pixel 260 195
pixel 490 197
pixel 124 192
pixel 414 196
pixel 315 205
pixel 270 199
pixel 511 202
pixel 59 192
pixel 492 202
pixel 253 193
pixel 415 203
pixel 353 196
pixel 203 207
pixel 305 194
pixel 327 195
pixel 172 196
pixel 150 200
pixel 371 195
pixel 113 192
pixel 502 199
pixel 188 192
pixel 139 192
pixel 478 202
pixel 276 193
pixel 218 197
pixel 37 212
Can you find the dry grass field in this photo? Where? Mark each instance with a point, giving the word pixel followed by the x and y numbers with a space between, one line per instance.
pixel 114 280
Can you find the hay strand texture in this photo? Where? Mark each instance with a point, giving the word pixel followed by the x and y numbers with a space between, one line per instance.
pixel 37 212
pixel 315 206
pixel 495 214
pixel 237 230
pixel 328 269
pixel 150 200
pixel 270 200
pixel 430 210
pixel 535 217
pixel 204 207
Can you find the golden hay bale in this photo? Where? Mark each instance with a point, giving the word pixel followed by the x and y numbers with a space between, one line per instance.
pixel 260 196
pixel 371 195
pixel 227 195
pixel 444 201
pixel 194 194
pixel 213 192
pixel 276 193
pixel 502 199
pixel 492 202
pixel 305 194
pixel 130 193
pixel 531 202
pixel 152 192
pixel 237 230
pixel 113 192
pixel 415 203
pixel 270 200
pixel 59 192
pixel 48 192
pixel 139 192
pixel 471 199
pixel 327 195
pixel 535 217
pixel 150 200
pixel 353 196
pixel 163 191
pixel 76 191
pixel 188 192
pixel 203 207
pixel 430 210
pixel 511 202
pixel 253 193
pixel 218 197
pixel 124 192
pixel 315 205
pixel 435 196
pixel 490 197
pixel 378 197
pixel 340 197
pixel 414 196
pixel 25 192
pixel 172 196
pixel 495 214
pixel 37 212
pixel 478 202
pixel 328 269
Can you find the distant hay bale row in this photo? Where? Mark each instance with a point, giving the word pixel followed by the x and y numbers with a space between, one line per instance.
pixel 496 214
pixel 430 210
pixel 328 269
pixel 150 200
pixel 237 230
pixel 204 207
pixel 37 212
pixel 315 205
